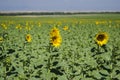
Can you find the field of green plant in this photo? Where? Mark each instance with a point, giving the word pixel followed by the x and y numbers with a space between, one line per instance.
pixel 27 51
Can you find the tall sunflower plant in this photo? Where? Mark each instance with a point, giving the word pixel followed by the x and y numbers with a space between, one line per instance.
pixel 104 58
pixel 54 44
pixel 55 39
pixel 101 40
pixel 28 40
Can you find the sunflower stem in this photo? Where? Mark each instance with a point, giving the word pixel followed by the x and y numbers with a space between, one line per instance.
pixel 49 57
pixel 98 49
pixel 112 65
pixel 5 76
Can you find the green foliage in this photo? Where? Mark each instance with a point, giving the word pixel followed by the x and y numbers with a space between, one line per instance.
pixel 78 57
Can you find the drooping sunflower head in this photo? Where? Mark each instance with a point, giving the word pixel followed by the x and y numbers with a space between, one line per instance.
pixel 54 31
pixel 28 38
pixel 55 37
pixel 101 38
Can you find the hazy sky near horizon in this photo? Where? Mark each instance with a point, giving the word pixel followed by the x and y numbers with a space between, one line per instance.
pixel 59 5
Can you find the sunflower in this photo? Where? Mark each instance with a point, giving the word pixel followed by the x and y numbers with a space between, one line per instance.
pixel 56 41
pixel 54 32
pixel 1 39
pixel 65 28
pixel 28 38
pixel 101 38
pixel 55 37
pixel 96 22
pixel 19 27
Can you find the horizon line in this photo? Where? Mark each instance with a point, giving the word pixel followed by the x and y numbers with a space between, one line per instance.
pixel 20 11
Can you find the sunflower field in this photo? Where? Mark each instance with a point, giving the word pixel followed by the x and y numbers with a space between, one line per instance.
pixel 77 47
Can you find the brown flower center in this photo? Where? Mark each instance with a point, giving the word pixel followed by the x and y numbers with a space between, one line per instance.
pixel 54 38
pixel 101 37
pixel 28 37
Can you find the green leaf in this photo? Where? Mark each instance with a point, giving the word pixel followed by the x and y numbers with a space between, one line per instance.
pixel 90 61
pixel 33 78
pixel 63 78
pixel 118 76
pixel 104 72
pixel 87 79
pixel 96 74
pixel 78 77
pixel 118 63
pixel 16 78
pixel 1 78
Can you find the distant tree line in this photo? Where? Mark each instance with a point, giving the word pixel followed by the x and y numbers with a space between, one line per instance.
pixel 52 13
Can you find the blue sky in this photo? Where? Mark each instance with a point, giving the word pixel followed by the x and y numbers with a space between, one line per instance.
pixel 59 5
